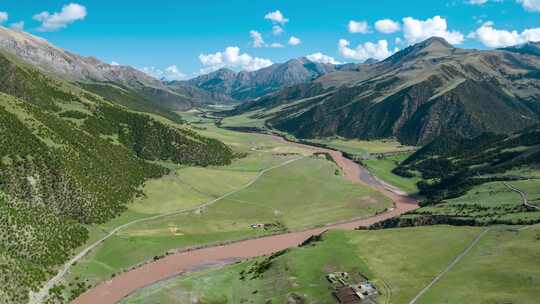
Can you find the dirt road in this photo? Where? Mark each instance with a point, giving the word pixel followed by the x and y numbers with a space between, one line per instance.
pixel 40 296
pixel 115 289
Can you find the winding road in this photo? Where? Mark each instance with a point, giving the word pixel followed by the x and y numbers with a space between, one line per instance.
pixel 41 295
pixel 115 289
pixel 523 196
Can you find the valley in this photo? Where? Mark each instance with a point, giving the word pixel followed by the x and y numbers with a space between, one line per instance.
pixel 399 173
pixel 331 199
pixel 228 284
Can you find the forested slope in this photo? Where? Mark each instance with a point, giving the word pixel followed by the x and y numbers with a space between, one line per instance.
pixel 463 180
pixel 67 158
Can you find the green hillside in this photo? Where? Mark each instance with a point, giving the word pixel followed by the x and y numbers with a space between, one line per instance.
pixel 129 98
pixel 424 90
pixel 463 180
pixel 68 157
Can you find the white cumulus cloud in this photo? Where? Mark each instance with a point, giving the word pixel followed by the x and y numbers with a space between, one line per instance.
pixel 322 58
pixel 231 58
pixel 418 30
pixel 365 51
pixel 276 30
pixel 114 63
pixel 294 41
pixel 169 73
pixel 495 38
pixel 3 17
pixel 257 40
pixel 530 5
pixel 53 22
pixel 276 17
pixel 276 45
pixel 387 26
pixel 18 26
pixel 358 27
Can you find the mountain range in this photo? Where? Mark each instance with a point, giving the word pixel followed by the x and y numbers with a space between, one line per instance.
pixel 137 90
pixel 251 85
pixel 420 92
pixel 124 84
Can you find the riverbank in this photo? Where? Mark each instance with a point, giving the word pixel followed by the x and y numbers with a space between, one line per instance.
pixel 124 284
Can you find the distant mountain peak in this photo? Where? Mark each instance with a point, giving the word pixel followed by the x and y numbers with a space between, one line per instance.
pixel 223 72
pixel 301 60
pixel 434 46
pixel 246 85
pixel 371 61
pixel 437 42
pixel 529 48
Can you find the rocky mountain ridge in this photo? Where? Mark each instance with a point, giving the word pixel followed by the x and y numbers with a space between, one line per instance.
pixel 418 93
pixel 102 77
pixel 245 85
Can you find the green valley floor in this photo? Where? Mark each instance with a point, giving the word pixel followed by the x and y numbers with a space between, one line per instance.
pixel 301 190
pixel 399 262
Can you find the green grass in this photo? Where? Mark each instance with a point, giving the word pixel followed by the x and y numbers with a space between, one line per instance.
pixel 246 142
pixel 189 187
pixel 499 269
pixel 184 188
pixel 490 202
pixel 489 194
pixel 502 268
pixel 244 120
pixel 382 168
pixel 303 194
pixel 531 187
pixel 399 261
pixel 407 259
pixel 361 147
pixel 193 116
pixel 351 146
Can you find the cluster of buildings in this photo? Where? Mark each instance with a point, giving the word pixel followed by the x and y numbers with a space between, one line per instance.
pixel 347 291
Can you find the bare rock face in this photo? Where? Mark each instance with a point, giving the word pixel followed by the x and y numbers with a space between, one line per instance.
pixel 51 59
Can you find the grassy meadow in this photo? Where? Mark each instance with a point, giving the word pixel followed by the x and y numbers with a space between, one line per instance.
pixel 395 260
pixel 382 168
pixel 400 262
pixel 490 203
pixel 500 269
pixel 305 193
pixel 361 147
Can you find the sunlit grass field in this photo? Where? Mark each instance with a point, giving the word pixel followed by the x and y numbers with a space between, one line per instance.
pixel 397 261
pixel 382 168
pixel 303 194
pixel 306 193
pixel 400 262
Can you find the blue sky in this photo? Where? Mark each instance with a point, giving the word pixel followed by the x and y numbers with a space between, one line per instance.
pixel 200 36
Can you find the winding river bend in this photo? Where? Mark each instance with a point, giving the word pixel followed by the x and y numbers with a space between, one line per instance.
pixel 122 285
